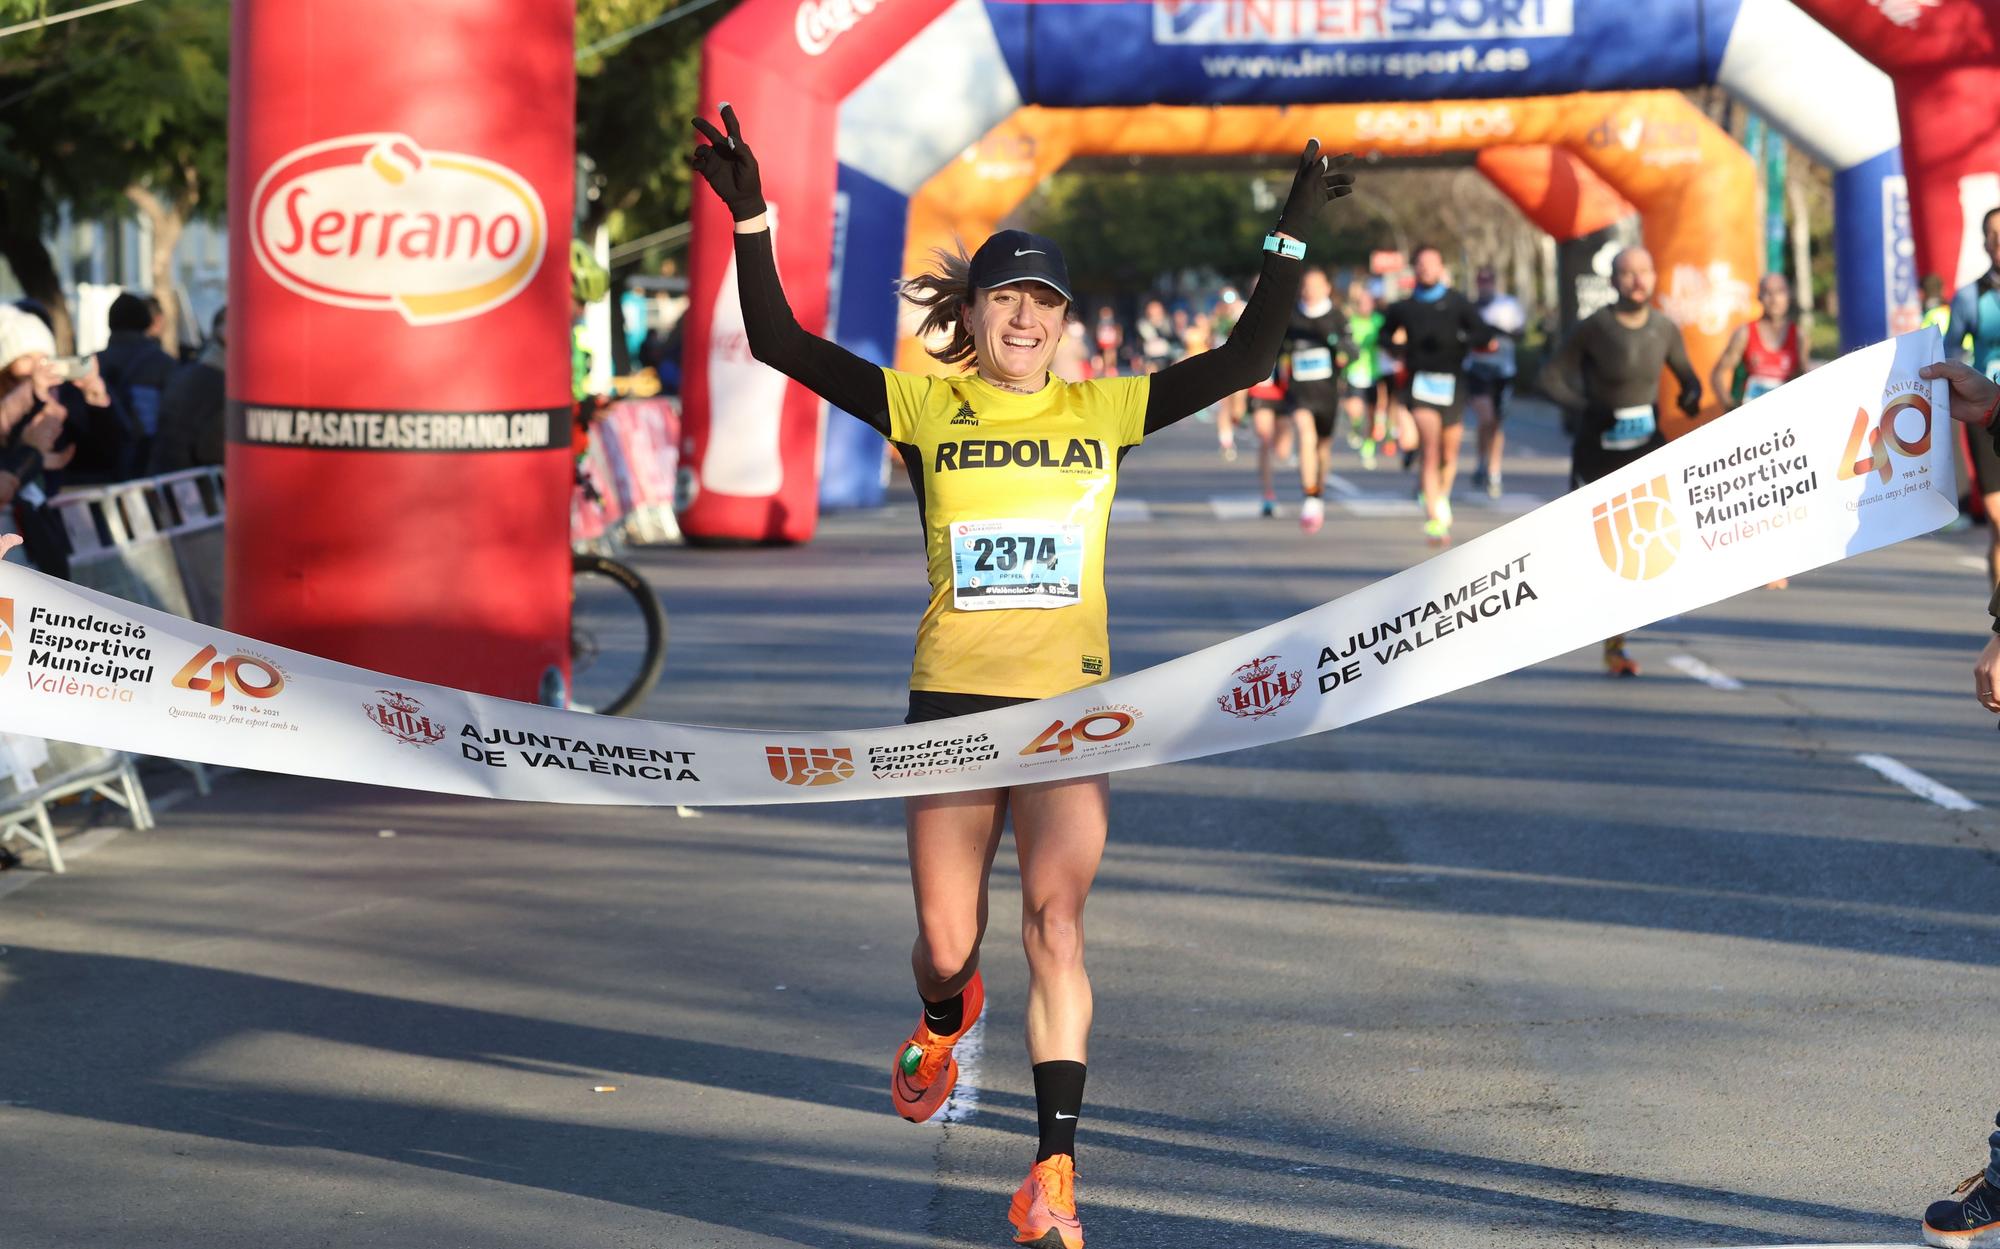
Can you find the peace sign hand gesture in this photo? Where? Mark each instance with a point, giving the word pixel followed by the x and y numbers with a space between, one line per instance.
pixel 727 165
pixel 1320 181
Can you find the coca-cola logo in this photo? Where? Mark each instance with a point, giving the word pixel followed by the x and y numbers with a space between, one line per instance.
pixel 374 221
pixel 820 22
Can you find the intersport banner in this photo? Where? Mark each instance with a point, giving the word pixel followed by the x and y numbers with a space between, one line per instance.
pixel 1848 459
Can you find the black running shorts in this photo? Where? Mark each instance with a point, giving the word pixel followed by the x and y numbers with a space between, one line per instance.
pixel 928 705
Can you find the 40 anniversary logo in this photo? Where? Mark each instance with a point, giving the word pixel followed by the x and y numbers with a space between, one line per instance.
pixel 249 675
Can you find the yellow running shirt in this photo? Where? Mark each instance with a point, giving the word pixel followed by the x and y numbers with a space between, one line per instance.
pixel 1014 492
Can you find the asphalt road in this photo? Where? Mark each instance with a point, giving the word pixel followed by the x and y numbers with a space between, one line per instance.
pixel 1554 961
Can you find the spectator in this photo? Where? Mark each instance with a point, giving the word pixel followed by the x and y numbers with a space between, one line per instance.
pixel 137 370
pixel 192 411
pixel 34 437
pixel 1072 359
pixel 1110 338
pixel 1159 346
pixel 93 426
pixel 30 425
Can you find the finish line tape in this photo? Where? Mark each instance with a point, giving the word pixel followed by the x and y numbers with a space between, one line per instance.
pixel 1852 457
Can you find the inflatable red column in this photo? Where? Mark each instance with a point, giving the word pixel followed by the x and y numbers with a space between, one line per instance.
pixel 400 188
pixel 1944 57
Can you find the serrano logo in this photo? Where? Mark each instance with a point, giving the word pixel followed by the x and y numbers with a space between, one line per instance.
pixel 820 22
pixel 1637 532
pixel 1857 462
pixel 373 221
pixel 402 717
pixel 810 765
pixel 6 635
pixel 1261 689
pixel 246 674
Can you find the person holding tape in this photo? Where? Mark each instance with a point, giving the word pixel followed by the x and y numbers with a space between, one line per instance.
pixel 1974 328
pixel 1014 470
pixel 1607 373
pixel 1970 1218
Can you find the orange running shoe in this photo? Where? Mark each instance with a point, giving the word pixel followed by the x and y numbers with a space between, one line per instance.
pixel 922 1072
pixel 1618 663
pixel 1044 1209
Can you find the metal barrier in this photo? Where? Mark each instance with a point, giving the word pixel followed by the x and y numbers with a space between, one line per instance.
pixel 40 773
pixel 156 540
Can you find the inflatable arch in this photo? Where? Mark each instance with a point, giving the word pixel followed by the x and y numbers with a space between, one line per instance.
pixel 854 104
pixel 1693 185
pixel 1554 190
pixel 1944 58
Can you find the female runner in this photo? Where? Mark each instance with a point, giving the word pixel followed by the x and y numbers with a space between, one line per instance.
pixel 1769 351
pixel 963 438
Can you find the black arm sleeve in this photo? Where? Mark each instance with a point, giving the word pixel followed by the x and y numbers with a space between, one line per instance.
pixel 827 369
pixel 1181 390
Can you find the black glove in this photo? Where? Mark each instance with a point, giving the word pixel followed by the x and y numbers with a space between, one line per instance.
pixel 726 163
pixel 1690 400
pixel 1320 180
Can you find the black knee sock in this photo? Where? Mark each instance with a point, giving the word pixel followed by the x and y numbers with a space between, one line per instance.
pixel 945 1017
pixel 1058 1101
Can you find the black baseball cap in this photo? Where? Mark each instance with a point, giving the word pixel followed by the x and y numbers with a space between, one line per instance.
pixel 1018 256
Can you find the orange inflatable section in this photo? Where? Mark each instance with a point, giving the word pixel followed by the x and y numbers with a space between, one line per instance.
pixel 1555 190
pixel 1693 186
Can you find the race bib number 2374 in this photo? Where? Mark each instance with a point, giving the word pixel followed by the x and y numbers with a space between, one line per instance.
pixel 998 564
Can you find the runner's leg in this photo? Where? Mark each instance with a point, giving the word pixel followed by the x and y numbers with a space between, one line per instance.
pixel 952 840
pixel 1480 406
pixel 1059 832
pixel 1302 421
pixel 1430 430
pixel 1265 421
pixel 1447 465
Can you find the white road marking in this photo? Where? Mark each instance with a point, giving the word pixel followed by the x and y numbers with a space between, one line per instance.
pixel 1917 783
pixel 1382 505
pixel 1972 561
pixel 1343 486
pixel 1701 672
pixel 964 1100
pixel 1236 507
pixel 1131 510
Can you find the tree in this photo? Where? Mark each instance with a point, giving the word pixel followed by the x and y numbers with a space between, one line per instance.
pixel 125 106
pixel 633 102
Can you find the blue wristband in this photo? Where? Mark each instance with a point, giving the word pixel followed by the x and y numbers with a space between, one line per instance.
pixel 1291 248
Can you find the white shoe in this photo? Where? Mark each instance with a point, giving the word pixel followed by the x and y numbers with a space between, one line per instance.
pixel 1312 514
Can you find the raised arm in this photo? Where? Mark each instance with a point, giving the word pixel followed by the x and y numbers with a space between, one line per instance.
pixel 1180 390
pixel 776 338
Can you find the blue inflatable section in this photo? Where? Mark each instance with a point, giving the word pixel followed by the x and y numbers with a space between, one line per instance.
pixel 868 259
pixel 1874 249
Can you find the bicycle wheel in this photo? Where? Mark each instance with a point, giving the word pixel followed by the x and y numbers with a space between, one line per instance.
pixel 617 636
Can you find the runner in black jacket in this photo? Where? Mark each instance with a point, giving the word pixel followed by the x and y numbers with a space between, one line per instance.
pixel 1439 326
